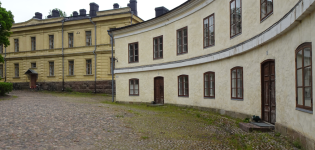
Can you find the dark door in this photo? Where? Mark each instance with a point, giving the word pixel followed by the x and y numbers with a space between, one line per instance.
pixel 268 92
pixel 33 81
pixel 159 90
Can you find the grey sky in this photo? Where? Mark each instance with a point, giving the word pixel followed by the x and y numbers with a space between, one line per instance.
pixel 24 10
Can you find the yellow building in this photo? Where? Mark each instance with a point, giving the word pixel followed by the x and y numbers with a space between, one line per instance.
pixel 237 57
pixel 65 53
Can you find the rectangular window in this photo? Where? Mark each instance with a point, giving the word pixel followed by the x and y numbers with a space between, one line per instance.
pixel 182 40
pixel 208 31
pixel 16 45
pixel 266 8
pixel 209 84
pixel 33 65
pixel 304 95
pixel 51 69
pixel 33 43
pixel 133 52
pixel 236 17
pixel 111 62
pixel 16 67
pixel 237 83
pixel 70 35
pixel 89 67
pixel 88 38
pixel 158 47
pixel 71 68
pixel 183 85
pixel 1 70
pixel 51 41
pixel 134 87
pixel 1 48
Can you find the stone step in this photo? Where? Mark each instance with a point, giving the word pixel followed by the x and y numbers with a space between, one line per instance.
pixel 254 126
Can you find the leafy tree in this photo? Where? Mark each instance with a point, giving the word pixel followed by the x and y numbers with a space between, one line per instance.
pixel 6 21
pixel 62 13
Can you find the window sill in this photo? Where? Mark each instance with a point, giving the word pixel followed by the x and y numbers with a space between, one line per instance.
pixel 89 75
pixel 184 96
pixel 133 62
pixel 16 77
pixel 209 46
pixel 182 54
pixel 133 95
pixel 235 99
pixel 209 97
pixel 70 75
pixel 235 36
pixel 51 76
pixel 304 110
pixel 157 58
pixel 266 17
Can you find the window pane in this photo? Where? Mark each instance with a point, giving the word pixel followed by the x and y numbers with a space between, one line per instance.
pixel 136 84
pixel 232 30
pixel 307 57
pixel 211 92
pixel 307 76
pixel 308 97
pixel 206 77
pixel 269 6
pixel 233 83
pixel 233 73
pixel 131 84
pixel 239 93
pixel 239 83
pixel 233 92
pixel 299 77
pixel 238 3
pixel 211 76
pixel 207 92
pixel 299 59
pixel 211 84
pixel 136 92
pixel 207 85
pixel 185 32
pixel 263 10
pixel 239 73
pixel 185 48
pixel 300 96
pixel 233 7
pixel 186 92
pixel 161 53
pixel 180 85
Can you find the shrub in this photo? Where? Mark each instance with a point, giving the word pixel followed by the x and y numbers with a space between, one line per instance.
pixel 5 87
pixel 69 90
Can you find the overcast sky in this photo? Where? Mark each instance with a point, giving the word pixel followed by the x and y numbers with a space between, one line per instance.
pixel 24 10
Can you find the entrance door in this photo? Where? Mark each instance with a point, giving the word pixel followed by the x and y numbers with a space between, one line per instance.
pixel 159 90
pixel 268 92
pixel 33 81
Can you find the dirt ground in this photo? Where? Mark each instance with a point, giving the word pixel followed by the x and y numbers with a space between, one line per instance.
pixel 50 120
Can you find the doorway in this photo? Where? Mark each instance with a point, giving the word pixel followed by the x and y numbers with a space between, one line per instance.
pixel 33 81
pixel 159 90
pixel 268 91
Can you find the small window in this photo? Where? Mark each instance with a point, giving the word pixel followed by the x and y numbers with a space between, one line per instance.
pixel 304 88
pixel 88 38
pixel 209 84
pixel 71 68
pixel 133 52
pixel 51 41
pixel 1 48
pixel 33 43
pixel 236 17
pixel 1 70
pixel 70 35
pixel 112 67
pixel 33 65
pixel 183 85
pixel 208 31
pixel 158 47
pixel 237 83
pixel 17 70
pixel 182 41
pixel 16 45
pixel 51 69
pixel 266 8
pixel 89 67
pixel 134 87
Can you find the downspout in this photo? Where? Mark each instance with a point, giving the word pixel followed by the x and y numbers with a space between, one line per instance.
pixel 112 69
pixel 5 64
pixel 94 52
pixel 63 65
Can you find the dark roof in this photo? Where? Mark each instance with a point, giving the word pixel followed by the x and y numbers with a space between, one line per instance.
pixel 115 29
pixel 30 71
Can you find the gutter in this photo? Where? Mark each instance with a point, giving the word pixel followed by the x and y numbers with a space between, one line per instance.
pixel 63 65
pixel 94 52
pixel 112 68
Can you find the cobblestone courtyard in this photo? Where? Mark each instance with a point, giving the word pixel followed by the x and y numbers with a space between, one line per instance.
pixel 42 120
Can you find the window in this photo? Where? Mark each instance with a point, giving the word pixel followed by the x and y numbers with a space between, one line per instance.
pixel 1 70
pixel 182 40
pixel 89 67
pixel 237 83
pixel 51 41
pixel 111 62
pixel 183 85
pixel 209 84
pixel 236 17
pixel 133 52
pixel 158 47
pixel 70 35
pixel 208 31
pixel 51 68
pixel 71 68
pixel 88 38
pixel 266 8
pixel 16 67
pixel 134 87
pixel 33 43
pixel 33 65
pixel 1 48
pixel 16 45
pixel 304 95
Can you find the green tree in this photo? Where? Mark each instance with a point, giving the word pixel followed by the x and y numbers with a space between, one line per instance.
pixel 6 21
pixel 62 13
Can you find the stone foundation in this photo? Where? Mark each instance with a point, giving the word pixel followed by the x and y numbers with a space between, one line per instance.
pixel 295 136
pixel 77 86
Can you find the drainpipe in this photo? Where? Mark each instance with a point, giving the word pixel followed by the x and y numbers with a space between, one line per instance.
pixel 63 65
pixel 94 52
pixel 112 69
pixel 5 64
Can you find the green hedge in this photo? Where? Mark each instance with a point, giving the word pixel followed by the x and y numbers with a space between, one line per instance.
pixel 5 87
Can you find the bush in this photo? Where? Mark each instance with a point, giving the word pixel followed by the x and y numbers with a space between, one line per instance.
pixel 69 90
pixel 5 87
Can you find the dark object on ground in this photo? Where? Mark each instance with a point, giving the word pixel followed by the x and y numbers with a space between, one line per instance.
pixel 153 102
pixel 256 118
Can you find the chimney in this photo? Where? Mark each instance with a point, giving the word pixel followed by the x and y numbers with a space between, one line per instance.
pixel 116 6
pixel 38 15
pixel 93 9
pixel 75 14
pixel 49 16
pixel 128 5
pixel 82 12
pixel 160 11
pixel 55 13
pixel 133 6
